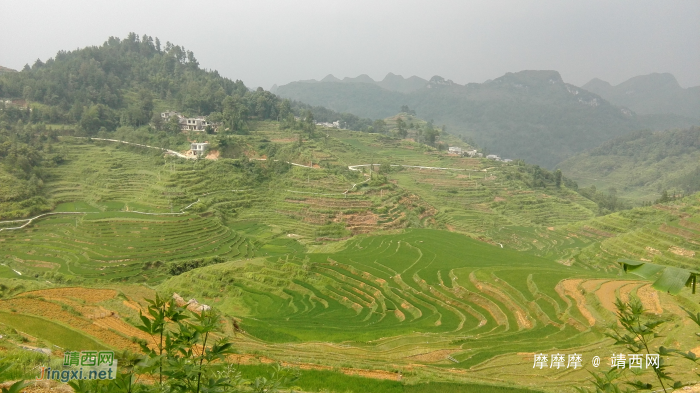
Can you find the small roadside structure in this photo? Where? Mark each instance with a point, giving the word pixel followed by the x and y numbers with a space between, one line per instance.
pixel 198 149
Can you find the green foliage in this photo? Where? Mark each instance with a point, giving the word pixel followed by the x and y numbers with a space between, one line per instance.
pixel 607 202
pixel 667 278
pixel 190 352
pixel 177 268
pixel 642 164
pixel 25 152
pixel 637 334
pixel 5 368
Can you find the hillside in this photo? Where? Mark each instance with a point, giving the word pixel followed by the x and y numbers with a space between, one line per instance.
pixel 641 165
pixel 650 94
pixel 4 70
pixel 128 82
pixel 358 261
pixel 444 266
pixel 533 115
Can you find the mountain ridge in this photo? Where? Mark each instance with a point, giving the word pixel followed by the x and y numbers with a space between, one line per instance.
pixel 532 114
pixel 650 94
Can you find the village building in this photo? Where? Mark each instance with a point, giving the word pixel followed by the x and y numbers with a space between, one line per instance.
pixel 198 149
pixel 335 124
pixel 471 153
pixel 199 123
pixel 493 157
pixel 455 150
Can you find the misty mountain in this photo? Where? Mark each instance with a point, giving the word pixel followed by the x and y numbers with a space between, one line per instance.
pixel 641 164
pixel 391 82
pixel 533 115
pixel 650 94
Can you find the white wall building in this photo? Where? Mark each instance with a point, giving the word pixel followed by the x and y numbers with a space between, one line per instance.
pixel 198 148
pixel 198 123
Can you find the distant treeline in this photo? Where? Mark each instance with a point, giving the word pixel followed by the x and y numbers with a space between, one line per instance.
pixel 120 83
pixel 647 145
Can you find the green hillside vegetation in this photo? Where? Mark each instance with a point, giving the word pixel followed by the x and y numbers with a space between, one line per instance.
pixel 368 260
pixel 4 70
pixel 298 255
pixel 641 166
pixel 136 198
pixel 128 82
pixel 531 115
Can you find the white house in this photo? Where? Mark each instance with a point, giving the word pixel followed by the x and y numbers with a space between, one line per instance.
pixel 493 157
pixel 335 124
pixel 198 148
pixel 194 123
pixel 198 123
pixel 455 150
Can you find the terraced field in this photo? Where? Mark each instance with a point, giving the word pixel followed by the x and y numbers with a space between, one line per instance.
pixel 117 245
pixel 459 274
pixel 666 235
pixel 423 281
pixel 425 297
pixel 75 318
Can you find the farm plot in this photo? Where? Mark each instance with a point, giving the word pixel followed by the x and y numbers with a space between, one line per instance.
pixel 486 299
pixel 424 297
pixel 72 318
pixel 117 245
pixel 482 201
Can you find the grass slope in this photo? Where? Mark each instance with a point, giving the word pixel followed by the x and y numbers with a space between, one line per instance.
pixel 641 165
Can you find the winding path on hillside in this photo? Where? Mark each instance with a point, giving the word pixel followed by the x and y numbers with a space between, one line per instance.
pixel 168 151
pixel 28 221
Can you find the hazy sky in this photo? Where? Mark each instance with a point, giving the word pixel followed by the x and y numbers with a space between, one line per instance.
pixel 266 42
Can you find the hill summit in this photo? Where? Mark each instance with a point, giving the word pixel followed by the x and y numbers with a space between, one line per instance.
pixel 650 94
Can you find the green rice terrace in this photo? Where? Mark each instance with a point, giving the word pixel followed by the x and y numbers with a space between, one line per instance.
pixel 424 267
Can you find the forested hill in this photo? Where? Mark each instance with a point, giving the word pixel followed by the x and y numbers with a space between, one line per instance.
pixel 125 82
pixel 641 165
pixel 533 115
pixel 4 70
pixel 650 94
pixel 118 90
